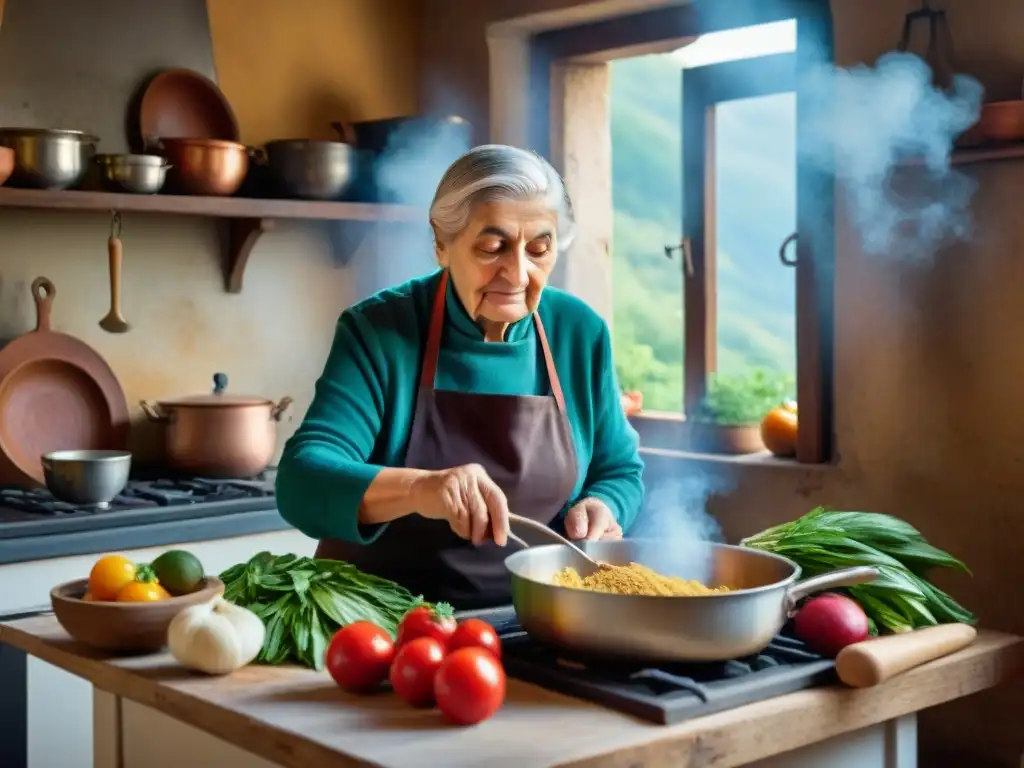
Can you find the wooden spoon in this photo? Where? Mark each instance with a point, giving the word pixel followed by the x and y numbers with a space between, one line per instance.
pixel 113 321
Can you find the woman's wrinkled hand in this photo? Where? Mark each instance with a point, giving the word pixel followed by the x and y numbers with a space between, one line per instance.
pixel 591 519
pixel 472 503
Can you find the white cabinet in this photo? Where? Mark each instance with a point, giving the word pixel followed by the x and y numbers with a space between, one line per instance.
pixel 56 697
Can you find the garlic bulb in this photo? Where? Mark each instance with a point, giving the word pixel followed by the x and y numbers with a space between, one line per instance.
pixel 216 637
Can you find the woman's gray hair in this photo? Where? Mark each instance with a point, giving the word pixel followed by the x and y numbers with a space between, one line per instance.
pixel 495 172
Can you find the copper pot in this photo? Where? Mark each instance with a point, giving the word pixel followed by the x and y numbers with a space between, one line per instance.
pixel 205 166
pixel 219 435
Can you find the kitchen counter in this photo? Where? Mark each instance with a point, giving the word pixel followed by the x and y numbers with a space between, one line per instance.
pixel 294 717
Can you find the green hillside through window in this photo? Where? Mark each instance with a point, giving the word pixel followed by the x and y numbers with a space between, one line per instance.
pixel 755 201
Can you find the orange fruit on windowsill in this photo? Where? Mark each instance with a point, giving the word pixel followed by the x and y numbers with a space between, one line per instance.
pixel 779 430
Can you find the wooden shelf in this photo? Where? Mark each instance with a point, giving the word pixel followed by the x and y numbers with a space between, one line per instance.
pixel 988 154
pixel 247 218
pixel 972 155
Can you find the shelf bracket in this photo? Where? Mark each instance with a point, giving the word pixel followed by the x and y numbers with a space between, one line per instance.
pixel 243 234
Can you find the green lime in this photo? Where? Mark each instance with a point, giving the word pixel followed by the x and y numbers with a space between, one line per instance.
pixel 178 571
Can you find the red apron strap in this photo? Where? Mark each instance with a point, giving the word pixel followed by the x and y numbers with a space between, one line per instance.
pixel 549 362
pixel 433 349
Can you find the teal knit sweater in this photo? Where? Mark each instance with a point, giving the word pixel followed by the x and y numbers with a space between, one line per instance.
pixel 361 415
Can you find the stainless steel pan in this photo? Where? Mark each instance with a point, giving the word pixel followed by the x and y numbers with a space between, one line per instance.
pixel 708 628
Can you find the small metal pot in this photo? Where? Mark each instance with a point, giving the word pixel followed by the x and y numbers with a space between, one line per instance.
pixel 219 435
pixel 139 174
pixel 204 166
pixel 92 478
pixel 310 169
pixel 45 159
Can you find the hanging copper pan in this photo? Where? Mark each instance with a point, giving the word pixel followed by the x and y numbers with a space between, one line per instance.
pixel 56 393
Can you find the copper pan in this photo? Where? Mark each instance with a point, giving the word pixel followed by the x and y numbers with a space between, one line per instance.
pixel 182 103
pixel 56 393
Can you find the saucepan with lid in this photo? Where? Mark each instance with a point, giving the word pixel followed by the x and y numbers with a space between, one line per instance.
pixel 219 435
pixel 764 588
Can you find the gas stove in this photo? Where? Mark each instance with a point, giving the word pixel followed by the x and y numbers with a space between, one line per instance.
pixel 34 512
pixel 665 693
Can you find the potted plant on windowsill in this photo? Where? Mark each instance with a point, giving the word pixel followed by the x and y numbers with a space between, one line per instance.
pixel 728 419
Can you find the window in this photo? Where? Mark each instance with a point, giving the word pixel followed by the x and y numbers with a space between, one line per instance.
pixel 739 188
pixel 705 170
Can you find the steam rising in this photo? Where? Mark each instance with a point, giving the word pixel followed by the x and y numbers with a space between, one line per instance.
pixel 407 172
pixel 879 118
pixel 675 522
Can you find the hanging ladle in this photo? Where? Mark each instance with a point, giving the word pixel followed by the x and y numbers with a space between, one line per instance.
pixel 113 321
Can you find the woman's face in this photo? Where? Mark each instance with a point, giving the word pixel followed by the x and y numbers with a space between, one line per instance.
pixel 500 262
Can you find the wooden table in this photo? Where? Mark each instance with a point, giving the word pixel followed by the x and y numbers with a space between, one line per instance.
pixel 295 717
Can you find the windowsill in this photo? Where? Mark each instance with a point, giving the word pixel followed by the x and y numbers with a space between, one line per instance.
pixel 663 434
pixel 763 460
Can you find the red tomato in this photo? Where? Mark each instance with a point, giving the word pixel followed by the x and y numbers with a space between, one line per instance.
pixel 359 656
pixel 412 673
pixel 474 633
pixel 470 686
pixel 437 623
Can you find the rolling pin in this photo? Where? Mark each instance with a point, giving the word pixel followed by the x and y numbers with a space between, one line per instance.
pixel 874 661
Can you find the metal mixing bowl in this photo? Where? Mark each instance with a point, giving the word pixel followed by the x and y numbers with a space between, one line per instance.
pixel 46 159
pixel 310 169
pixel 91 478
pixel 140 174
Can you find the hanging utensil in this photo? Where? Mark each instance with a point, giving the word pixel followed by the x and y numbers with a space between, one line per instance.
pixel 939 53
pixel 114 322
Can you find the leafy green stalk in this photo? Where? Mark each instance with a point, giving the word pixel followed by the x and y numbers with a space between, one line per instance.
pixel 303 601
pixel 901 598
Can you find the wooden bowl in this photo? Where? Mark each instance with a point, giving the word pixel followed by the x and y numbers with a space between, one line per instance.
pixel 123 627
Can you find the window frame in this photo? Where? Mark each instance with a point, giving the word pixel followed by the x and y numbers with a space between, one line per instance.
pixel 815 246
pixel 704 89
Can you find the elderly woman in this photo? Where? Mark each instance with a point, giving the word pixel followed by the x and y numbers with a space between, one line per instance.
pixel 454 398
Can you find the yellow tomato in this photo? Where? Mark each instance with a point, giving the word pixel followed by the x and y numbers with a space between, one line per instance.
pixel 142 592
pixel 108 575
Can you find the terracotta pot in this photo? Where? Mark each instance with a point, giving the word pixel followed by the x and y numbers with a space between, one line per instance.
pixel 219 435
pixel 205 166
pixel 1002 121
pixel 732 439
pixel 6 164
pixel 632 402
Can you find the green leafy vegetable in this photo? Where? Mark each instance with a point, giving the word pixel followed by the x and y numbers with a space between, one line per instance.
pixel 303 601
pixel 740 400
pixel 901 598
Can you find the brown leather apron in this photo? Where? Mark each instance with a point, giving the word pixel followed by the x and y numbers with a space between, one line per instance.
pixel 525 444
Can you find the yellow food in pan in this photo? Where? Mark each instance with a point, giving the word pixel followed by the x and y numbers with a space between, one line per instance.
pixel 634 579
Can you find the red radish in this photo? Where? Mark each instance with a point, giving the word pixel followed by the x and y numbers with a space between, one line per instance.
pixel 831 622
